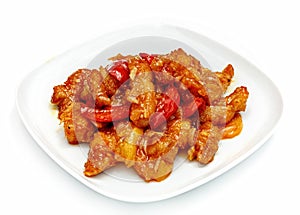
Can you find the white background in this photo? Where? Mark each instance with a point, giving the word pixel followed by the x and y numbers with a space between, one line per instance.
pixel 266 32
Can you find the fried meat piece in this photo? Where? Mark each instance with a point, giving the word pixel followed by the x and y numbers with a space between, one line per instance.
pixel 164 144
pixel 178 71
pixel 226 109
pixel 226 76
pixel 109 84
pixel 101 156
pixel 84 85
pixel 141 111
pixel 186 69
pixel 188 61
pixel 77 128
pixel 157 151
pixel 65 93
pixel 157 169
pixel 142 93
pixel 194 65
pixel 238 99
pixel 219 122
pixel 95 89
pixel 206 143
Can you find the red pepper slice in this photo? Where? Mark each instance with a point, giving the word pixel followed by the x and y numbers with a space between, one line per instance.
pixel 191 108
pixel 109 114
pixel 120 71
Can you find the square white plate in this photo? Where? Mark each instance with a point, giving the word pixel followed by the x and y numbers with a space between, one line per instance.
pixel 263 112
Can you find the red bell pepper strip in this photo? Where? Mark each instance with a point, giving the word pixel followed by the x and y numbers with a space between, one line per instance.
pixel 119 70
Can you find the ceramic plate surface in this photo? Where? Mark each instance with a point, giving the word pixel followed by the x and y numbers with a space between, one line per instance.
pixel 260 118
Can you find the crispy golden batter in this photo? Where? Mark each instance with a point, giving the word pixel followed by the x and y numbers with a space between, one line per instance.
pixel 101 156
pixel 226 76
pixel 206 144
pixel 142 93
pixel 143 109
pixel 77 128
pixel 157 169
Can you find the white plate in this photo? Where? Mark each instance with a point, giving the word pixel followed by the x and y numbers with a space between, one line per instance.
pixel 264 109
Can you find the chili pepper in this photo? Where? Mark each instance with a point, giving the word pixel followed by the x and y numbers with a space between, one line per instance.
pixel 166 107
pixel 147 57
pixel 191 108
pixel 109 114
pixel 120 71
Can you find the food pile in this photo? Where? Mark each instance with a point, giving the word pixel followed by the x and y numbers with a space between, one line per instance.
pixel 141 110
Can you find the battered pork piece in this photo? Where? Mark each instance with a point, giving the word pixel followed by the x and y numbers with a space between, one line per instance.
pixel 77 128
pixel 101 156
pixel 142 93
pixel 143 109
